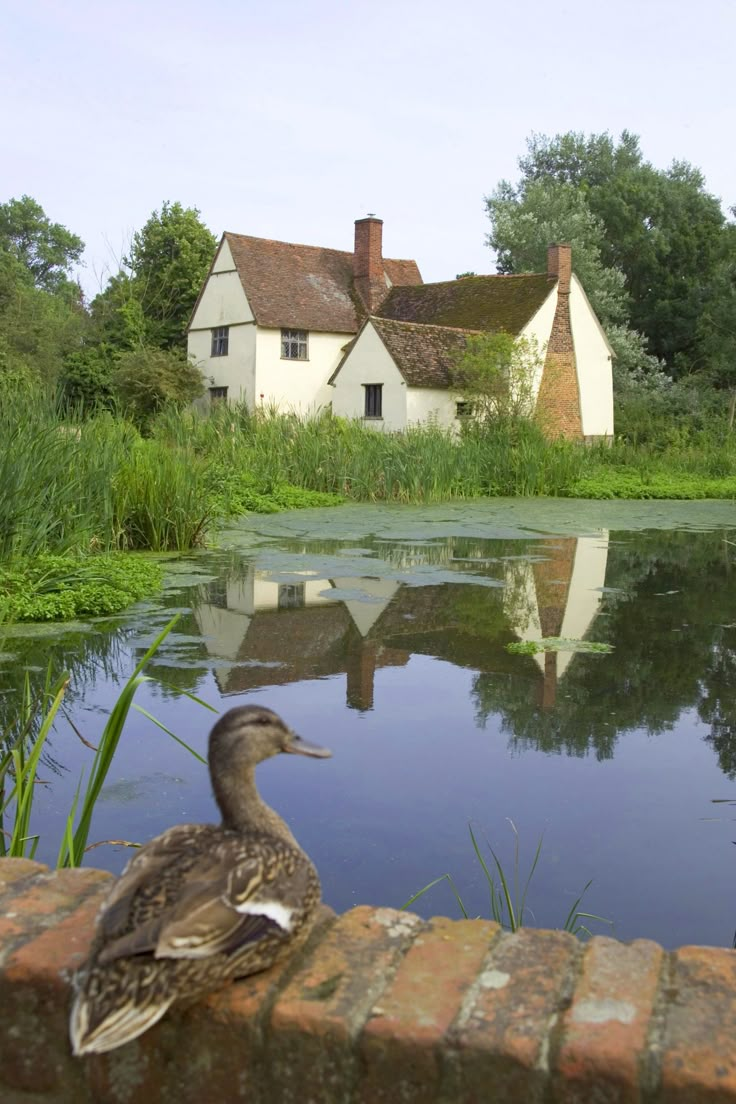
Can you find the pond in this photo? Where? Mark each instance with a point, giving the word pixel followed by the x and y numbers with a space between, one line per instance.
pixel 382 632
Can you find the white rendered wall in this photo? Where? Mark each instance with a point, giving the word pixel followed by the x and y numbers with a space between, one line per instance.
pixel 224 303
pixel 236 371
pixel 297 385
pixel 369 362
pixel 424 404
pixel 537 330
pixel 593 358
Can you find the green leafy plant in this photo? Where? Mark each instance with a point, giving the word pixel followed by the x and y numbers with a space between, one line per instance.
pixel 508 896
pixel 23 744
pixel 60 588
pixel 557 644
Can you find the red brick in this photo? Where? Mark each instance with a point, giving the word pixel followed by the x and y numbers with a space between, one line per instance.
pixel 310 1045
pixel 401 1045
pixel 699 1055
pixel 605 1030
pixel 35 986
pixel 14 870
pixel 501 1038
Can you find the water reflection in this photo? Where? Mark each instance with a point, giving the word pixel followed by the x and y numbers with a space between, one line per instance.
pixel 391 647
pixel 274 632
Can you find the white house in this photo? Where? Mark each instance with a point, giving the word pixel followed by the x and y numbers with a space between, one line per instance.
pixel 272 319
pixel 304 328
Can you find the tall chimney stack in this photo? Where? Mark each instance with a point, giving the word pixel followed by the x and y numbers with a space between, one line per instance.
pixel 370 279
pixel 559 266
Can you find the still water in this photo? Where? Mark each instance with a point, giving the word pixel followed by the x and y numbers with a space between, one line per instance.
pixel 381 632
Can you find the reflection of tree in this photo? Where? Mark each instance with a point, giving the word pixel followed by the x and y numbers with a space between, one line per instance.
pixel 672 589
pixel 717 706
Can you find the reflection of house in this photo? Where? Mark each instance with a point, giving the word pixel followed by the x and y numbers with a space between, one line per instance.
pixel 302 627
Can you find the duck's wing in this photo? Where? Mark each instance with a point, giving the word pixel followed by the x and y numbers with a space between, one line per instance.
pixel 230 896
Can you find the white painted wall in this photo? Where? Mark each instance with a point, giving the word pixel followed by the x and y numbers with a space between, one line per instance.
pixel 224 303
pixel 297 385
pixel 537 330
pixel 585 594
pixel 236 371
pixel 593 357
pixel 428 403
pixel 369 362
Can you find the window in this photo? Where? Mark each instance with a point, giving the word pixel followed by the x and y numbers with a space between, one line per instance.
pixel 292 596
pixel 219 341
pixel 463 410
pixel 218 394
pixel 294 345
pixel 373 400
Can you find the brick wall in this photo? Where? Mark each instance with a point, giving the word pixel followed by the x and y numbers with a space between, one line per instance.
pixel 558 401
pixel 378 1007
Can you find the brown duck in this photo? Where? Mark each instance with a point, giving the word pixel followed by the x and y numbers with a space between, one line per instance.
pixel 201 903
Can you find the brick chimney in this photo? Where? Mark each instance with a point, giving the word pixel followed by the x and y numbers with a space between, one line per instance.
pixel 370 279
pixel 559 265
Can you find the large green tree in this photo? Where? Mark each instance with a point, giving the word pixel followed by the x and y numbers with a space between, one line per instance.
pixel 42 315
pixel 46 251
pixel 659 231
pixel 148 302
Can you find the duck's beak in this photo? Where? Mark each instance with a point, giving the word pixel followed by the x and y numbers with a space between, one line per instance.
pixel 297 746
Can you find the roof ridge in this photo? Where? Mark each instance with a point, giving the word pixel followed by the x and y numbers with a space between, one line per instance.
pixel 303 245
pixel 423 325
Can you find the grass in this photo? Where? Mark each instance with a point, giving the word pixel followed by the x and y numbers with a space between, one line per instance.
pixel 23 744
pixel 508 895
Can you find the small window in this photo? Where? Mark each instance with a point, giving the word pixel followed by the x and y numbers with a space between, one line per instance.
pixel 292 596
pixel 463 410
pixel 218 394
pixel 294 345
pixel 219 341
pixel 373 400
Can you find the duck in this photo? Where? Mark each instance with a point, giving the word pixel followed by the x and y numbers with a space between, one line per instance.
pixel 201 904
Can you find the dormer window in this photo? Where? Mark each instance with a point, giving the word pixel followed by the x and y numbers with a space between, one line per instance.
pixel 294 345
pixel 220 337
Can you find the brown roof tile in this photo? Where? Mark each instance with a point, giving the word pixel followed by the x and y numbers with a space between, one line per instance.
pixel 474 303
pixel 304 287
pixel 425 355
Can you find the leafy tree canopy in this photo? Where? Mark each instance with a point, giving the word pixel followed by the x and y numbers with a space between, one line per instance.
pixel 149 301
pixel 657 236
pixel 45 250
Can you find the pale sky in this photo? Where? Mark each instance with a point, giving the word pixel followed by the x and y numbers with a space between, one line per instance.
pixel 291 119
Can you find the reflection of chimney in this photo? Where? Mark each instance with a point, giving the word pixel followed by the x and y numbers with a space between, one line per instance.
pixel 549 687
pixel 370 280
pixel 361 668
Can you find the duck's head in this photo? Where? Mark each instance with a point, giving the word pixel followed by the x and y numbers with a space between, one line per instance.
pixel 249 734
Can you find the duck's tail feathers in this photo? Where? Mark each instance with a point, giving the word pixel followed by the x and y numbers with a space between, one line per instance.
pixel 122 1024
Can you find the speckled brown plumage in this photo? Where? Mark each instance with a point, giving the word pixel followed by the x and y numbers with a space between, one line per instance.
pixel 200 904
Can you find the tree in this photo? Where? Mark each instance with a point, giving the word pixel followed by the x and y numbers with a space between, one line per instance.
pixel 45 250
pixel 42 315
pixel 660 229
pixel 151 299
pixel 496 375
pixel 147 379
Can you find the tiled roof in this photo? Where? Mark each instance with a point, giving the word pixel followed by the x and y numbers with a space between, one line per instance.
pixel 473 303
pixel 305 287
pixel 425 355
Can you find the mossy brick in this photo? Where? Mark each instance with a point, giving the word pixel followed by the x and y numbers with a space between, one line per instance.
pixel 605 1030
pixel 316 1019
pixel 15 870
pixel 401 1044
pixel 698 1049
pixel 502 1036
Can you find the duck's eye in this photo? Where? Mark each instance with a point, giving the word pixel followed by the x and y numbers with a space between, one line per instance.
pixel 262 720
